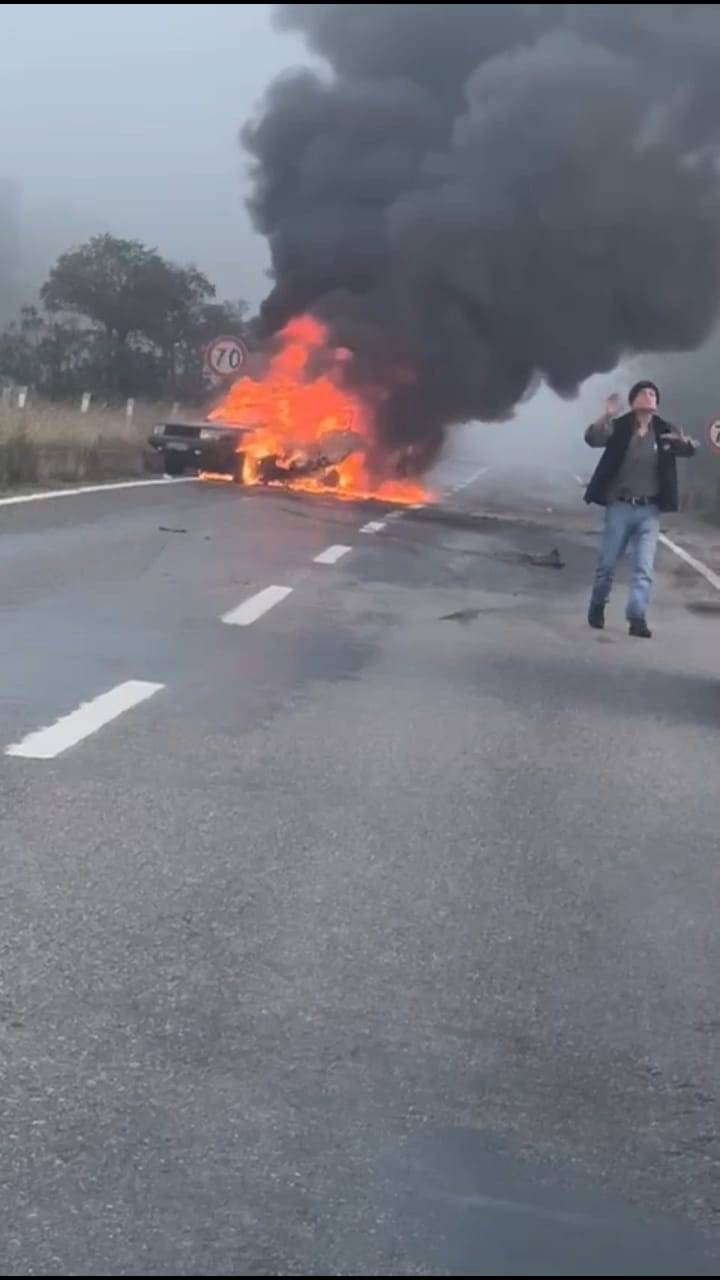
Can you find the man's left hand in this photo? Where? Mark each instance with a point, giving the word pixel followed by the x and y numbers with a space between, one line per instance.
pixel 679 436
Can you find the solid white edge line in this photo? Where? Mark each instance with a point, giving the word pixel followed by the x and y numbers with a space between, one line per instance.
pixel 373 526
pixel 697 565
pixel 255 606
pixel 45 744
pixel 90 488
pixel 331 555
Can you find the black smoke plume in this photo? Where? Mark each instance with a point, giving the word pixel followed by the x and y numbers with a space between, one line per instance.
pixel 478 195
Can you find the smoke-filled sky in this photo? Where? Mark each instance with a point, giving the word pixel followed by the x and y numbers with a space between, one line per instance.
pixel 475 194
pixel 124 117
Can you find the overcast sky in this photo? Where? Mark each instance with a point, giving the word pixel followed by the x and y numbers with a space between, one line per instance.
pixel 124 117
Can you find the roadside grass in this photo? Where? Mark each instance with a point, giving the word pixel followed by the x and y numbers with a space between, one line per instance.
pixel 43 423
pixel 49 444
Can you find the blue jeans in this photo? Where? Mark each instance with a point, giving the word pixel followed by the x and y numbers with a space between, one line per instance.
pixel 636 527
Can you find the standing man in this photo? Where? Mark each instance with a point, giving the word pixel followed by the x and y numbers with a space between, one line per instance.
pixel 635 480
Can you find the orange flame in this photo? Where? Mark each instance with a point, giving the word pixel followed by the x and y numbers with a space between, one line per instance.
pixel 308 431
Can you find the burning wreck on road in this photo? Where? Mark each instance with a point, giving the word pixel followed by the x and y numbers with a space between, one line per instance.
pixel 200 446
pixel 298 427
pixel 227 450
pixel 323 468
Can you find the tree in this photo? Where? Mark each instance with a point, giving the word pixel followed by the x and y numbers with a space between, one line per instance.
pixel 174 306
pixel 9 247
pixel 212 320
pixel 217 318
pixel 131 292
pixel 103 281
pixel 119 319
pixel 53 355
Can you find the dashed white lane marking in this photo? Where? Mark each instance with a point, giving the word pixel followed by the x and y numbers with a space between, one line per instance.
pixel 45 744
pixel 481 471
pixel 255 606
pixel 394 515
pixel 91 488
pixel 470 480
pixel 697 565
pixel 373 526
pixel 331 555
pixel 563 471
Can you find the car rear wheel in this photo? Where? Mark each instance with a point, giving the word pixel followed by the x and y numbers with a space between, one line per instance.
pixel 174 465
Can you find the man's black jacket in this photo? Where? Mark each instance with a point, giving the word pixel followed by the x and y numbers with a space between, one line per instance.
pixel 615 451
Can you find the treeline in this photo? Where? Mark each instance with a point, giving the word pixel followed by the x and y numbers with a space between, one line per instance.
pixel 117 318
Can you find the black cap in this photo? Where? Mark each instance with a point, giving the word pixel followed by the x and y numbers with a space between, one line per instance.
pixel 645 385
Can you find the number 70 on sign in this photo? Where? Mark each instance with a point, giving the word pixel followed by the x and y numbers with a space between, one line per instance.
pixel 225 357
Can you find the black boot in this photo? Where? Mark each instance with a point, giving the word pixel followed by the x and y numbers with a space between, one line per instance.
pixel 640 628
pixel 596 616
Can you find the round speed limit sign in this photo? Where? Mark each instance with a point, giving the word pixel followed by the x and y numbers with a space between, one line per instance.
pixel 713 434
pixel 225 357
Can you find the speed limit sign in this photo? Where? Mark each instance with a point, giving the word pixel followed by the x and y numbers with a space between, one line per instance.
pixel 225 357
pixel 713 434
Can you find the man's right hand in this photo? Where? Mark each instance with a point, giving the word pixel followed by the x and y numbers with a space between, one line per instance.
pixel 613 406
pixel 599 432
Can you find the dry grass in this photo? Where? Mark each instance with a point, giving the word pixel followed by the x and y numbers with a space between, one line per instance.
pixel 45 423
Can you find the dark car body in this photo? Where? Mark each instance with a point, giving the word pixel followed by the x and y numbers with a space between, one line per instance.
pixel 200 446
pixel 217 447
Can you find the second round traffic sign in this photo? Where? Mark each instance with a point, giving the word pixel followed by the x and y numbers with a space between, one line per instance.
pixel 713 434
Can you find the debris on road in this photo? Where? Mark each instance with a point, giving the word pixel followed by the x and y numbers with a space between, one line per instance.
pixel 707 608
pixel 552 561
pixel 461 615
pixel 163 528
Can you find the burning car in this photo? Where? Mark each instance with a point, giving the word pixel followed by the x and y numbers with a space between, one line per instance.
pixel 201 446
pixel 297 426
pixel 223 448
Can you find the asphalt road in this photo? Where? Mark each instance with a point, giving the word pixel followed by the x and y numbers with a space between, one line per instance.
pixel 381 937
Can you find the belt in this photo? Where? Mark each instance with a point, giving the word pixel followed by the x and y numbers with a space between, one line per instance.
pixel 639 502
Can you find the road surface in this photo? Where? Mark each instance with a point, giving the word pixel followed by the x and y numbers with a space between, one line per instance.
pixel 372 930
